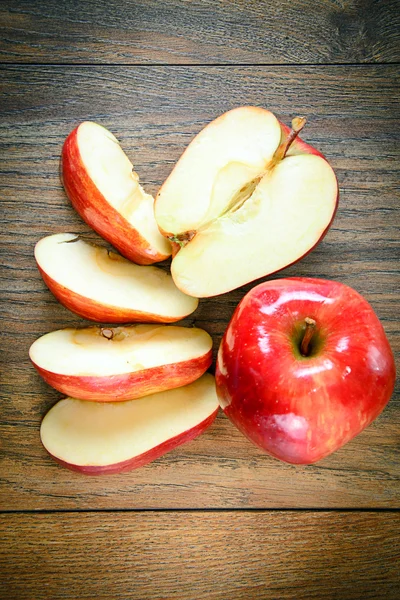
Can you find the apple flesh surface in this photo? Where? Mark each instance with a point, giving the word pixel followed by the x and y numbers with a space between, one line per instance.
pixel 246 199
pixel 100 285
pixel 109 364
pixel 104 189
pixel 301 408
pixel 103 438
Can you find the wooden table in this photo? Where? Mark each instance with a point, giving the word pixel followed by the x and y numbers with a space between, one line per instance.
pixel 214 518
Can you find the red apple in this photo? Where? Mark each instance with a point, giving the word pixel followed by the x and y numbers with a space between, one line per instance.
pixel 303 367
pixel 110 364
pixel 103 438
pixel 104 189
pixel 246 199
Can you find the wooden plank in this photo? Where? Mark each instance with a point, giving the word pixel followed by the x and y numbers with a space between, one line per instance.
pixel 155 111
pixel 200 31
pixel 195 556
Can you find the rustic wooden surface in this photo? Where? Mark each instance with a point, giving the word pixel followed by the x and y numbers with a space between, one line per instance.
pixel 240 556
pixel 155 111
pixel 58 526
pixel 200 31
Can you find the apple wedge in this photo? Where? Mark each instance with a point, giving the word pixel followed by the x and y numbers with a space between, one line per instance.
pixel 100 285
pixel 246 199
pixel 104 189
pixel 121 363
pixel 97 438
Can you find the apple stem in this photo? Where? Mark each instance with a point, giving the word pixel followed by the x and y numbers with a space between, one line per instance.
pixel 297 125
pixel 308 334
pixel 107 333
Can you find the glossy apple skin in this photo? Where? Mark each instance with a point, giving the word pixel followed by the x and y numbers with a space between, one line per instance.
pixel 301 409
pixel 128 386
pixel 100 313
pixel 92 206
pixel 145 458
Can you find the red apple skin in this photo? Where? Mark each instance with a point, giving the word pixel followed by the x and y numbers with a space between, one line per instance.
pixel 101 313
pixel 128 386
pixel 301 409
pixel 92 206
pixel 146 457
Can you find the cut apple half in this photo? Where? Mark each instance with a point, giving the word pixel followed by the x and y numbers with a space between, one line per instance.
pixel 101 285
pixel 100 181
pixel 121 363
pixel 246 199
pixel 97 438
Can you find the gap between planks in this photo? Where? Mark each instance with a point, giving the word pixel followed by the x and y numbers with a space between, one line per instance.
pixel 191 65
pixel 201 510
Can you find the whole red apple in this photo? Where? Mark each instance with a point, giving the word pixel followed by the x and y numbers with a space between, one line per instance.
pixel 303 367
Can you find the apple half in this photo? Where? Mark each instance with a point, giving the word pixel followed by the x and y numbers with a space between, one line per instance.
pixel 110 364
pixel 96 438
pixel 104 189
pixel 101 285
pixel 246 199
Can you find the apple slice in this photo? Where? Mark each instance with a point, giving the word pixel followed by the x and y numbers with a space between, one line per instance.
pixel 97 438
pixel 121 363
pixel 104 189
pixel 246 199
pixel 103 286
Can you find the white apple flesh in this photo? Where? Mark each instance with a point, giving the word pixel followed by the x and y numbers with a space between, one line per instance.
pixel 100 285
pixel 110 364
pixel 104 189
pixel 97 438
pixel 245 200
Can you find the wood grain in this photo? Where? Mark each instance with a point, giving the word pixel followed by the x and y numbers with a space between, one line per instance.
pixel 196 556
pixel 199 31
pixel 155 111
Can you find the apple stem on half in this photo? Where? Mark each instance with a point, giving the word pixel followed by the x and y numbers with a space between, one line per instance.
pixel 297 125
pixel 308 334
